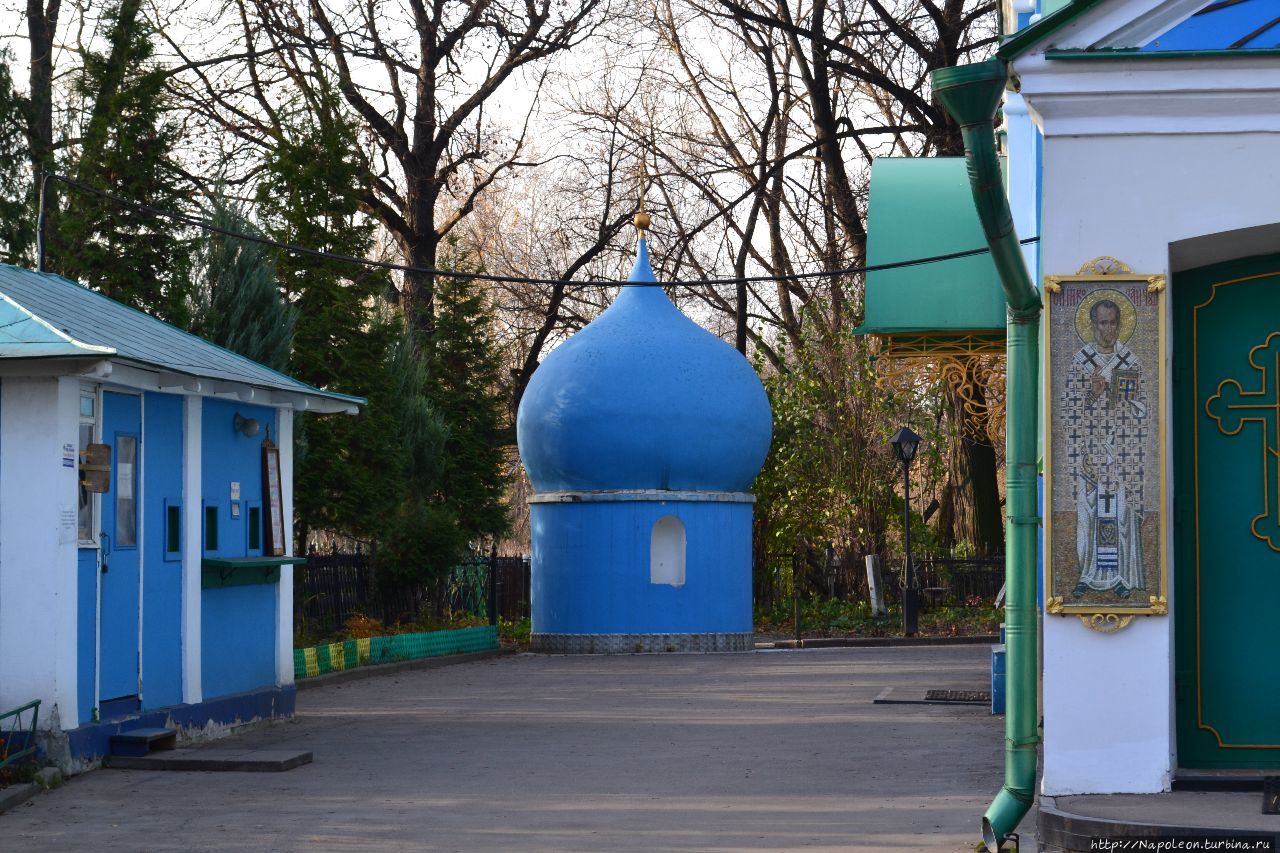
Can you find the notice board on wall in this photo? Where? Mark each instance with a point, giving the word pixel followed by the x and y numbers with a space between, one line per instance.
pixel 273 541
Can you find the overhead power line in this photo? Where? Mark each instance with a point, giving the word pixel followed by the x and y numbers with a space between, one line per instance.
pixel 205 225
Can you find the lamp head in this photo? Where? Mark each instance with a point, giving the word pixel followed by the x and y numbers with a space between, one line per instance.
pixel 905 443
pixel 247 427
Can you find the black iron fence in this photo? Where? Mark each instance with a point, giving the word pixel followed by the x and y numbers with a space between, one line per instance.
pixel 951 581
pixel 335 587
pixel 943 581
pixel 512 587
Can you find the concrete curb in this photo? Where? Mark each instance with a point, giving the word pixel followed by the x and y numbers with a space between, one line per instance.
pixel 361 672
pixel 16 795
pixel 877 642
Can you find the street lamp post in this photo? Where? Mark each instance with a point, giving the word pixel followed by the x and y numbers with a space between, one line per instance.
pixel 905 443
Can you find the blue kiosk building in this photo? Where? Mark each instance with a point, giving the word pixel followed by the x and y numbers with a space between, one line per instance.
pixel 146 523
pixel 641 435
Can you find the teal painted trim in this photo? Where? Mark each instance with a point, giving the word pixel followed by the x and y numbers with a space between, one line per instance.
pixel 1135 53
pixel 335 657
pixel 218 572
pixel 217 578
pixel 1022 41
pixel 932 331
pixel 250 562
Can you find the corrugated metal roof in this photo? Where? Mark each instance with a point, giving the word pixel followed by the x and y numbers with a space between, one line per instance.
pixel 78 316
pixel 24 335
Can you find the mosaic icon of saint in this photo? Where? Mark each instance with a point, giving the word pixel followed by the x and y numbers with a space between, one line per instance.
pixel 1105 419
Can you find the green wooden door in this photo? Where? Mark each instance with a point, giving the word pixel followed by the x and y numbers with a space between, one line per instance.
pixel 1226 425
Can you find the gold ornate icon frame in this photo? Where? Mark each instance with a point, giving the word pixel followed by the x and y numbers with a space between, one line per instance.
pixel 1106 273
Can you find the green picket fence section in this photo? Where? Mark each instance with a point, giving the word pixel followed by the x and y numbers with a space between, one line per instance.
pixel 335 657
pixel 18 741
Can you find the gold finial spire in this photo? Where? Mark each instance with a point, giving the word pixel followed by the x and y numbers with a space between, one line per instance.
pixel 642 220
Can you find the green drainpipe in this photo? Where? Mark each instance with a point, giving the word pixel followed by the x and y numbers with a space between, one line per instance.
pixel 971 93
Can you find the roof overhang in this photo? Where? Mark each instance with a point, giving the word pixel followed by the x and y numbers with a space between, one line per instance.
pixel 1049 25
pixel 144 377
pixel 950 344
pixel 84 366
pixel 148 377
pixel 46 322
pixel 1108 29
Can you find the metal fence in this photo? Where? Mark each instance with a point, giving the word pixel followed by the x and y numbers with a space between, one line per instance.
pixel 336 587
pixel 950 581
pixel 513 575
pixel 943 581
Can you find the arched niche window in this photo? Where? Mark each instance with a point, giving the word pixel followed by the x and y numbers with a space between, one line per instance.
pixel 666 551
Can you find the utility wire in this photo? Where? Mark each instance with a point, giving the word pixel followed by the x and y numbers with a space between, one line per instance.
pixel 205 225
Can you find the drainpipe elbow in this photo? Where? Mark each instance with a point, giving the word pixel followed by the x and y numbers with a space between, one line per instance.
pixel 1004 814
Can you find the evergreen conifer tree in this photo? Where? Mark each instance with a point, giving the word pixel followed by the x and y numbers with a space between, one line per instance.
pixel 17 223
pixel 423 539
pixel 132 255
pixel 236 302
pixel 464 370
pixel 421 471
pixel 354 476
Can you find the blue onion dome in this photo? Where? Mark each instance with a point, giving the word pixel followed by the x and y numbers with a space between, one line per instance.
pixel 644 398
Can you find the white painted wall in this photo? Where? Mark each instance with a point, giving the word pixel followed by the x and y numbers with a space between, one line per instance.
pixel 193 411
pixel 38 499
pixel 1108 700
pixel 1021 137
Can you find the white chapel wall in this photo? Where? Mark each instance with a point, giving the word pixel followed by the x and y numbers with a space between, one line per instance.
pixel 1108 699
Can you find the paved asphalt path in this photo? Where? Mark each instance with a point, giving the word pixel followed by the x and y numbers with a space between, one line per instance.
pixel 764 751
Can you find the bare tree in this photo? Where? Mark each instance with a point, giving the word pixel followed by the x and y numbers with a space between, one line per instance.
pixel 562 221
pixel 42 28
pixel 761 134
pixel 421 76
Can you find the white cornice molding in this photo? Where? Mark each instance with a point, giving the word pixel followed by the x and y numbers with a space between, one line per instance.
pixel 139 378
pixel 1122 97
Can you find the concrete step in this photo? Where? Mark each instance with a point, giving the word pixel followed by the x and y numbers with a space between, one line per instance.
pixel 139 742
pixel 215 759
pixel 1221 780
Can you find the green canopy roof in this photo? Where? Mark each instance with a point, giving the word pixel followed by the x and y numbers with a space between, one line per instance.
pixel 923 207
